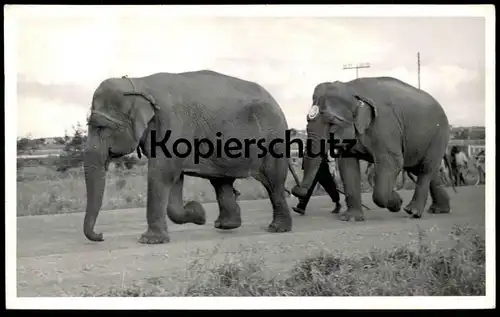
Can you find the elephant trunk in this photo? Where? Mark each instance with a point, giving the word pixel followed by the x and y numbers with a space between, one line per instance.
pixel 310 166
pixel 95 180
pixel 315 150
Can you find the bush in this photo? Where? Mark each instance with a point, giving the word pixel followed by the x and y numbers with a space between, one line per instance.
pixel 26 145
pixel 73 150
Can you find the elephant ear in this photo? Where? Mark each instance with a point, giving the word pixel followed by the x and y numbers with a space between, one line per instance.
pixel 333 99
pixel 364 113
pixel 142 111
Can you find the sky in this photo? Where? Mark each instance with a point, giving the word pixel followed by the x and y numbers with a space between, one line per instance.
pixel 61 59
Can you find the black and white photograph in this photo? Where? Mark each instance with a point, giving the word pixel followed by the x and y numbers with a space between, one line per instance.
pixel 250 156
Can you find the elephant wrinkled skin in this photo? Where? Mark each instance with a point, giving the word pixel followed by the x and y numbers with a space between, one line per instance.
pixel 396 126
pixel 192 105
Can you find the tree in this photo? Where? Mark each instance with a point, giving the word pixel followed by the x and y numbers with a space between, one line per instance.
pixel 26 145
pixel 73 149
pixel 59 140
pixel 77 141
pixel 23 144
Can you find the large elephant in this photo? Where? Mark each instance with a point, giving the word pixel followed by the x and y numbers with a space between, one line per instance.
pixel 396 126
pixel 130 113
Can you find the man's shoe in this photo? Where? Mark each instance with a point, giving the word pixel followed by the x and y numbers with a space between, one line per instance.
pixel 338 206
pixel 299 210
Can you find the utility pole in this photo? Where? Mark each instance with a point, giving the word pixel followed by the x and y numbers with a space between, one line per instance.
pixel 418 68
pixel 356 67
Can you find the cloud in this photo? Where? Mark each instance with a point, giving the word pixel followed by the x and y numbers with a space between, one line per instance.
pixel 62 93
pixel 44 118
pixel 62 59
pixel 67 50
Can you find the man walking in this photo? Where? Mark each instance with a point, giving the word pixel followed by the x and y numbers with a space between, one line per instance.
pixel 459 165
pixel 480 162
pixel 327 181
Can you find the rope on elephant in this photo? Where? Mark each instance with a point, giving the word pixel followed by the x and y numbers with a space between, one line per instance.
pixel 131 81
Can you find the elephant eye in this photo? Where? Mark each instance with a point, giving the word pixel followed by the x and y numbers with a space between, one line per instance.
pixel 101 130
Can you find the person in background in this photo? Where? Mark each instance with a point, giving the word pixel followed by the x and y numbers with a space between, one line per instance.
pixel 443 171
pixel 236 193
pixel 459 165
pixel 480 161
pixel 327 181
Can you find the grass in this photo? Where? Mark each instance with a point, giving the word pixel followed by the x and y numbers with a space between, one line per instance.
pixel 42 191
pixel 410 270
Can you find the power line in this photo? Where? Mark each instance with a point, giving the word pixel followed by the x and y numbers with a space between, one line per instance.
pixel 356 67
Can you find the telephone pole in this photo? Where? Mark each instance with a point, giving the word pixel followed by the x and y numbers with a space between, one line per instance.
pixel 418 68
pixel 356 67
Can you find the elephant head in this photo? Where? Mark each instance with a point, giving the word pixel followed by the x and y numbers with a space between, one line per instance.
pixel 336 108
pixel 120 114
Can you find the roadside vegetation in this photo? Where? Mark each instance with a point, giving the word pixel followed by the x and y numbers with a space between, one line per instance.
pixel 415 269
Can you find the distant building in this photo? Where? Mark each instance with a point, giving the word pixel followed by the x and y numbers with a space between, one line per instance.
pixel 468 133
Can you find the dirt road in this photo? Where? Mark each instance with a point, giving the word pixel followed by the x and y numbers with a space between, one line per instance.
pixel 55 259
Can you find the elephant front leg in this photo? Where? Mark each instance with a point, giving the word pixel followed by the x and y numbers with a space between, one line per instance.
pixel 229 211
pixel 351 178
pixel 158 191
pixel 384 195
pixel 416 207
pixel 192 212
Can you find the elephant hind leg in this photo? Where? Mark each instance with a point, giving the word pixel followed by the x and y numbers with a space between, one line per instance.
pixel 229 211
pixel 273 177
pixel 440 198
pixel 192 212
pixel 428 179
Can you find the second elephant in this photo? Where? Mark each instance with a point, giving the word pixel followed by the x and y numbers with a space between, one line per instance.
pixel 395 126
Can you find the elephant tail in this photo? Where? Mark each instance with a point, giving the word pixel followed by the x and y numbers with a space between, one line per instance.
pixel 445 158
pixel 446 161
pixel 295 177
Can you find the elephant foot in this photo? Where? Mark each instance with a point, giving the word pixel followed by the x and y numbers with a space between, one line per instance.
pixel 413 212
pixel 337 208
pixel 435 209
pixel 299 192
pixel 280 226
pixel 348 214
pixel 396 203
pixel 228 223
pixel 150 237
pixel 394 209
pixel 196 213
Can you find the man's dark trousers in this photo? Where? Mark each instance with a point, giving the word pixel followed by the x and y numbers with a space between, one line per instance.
pixel 327 181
